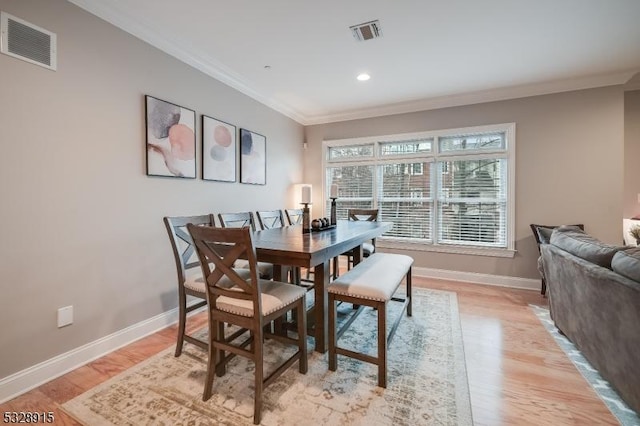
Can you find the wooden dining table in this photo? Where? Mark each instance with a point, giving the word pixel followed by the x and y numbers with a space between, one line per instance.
pixel 289 246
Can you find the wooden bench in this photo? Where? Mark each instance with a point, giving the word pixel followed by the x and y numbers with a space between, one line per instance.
pixel 372 282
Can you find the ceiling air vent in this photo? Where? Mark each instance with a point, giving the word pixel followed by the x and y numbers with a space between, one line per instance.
pixel 366 31
pixel 23 40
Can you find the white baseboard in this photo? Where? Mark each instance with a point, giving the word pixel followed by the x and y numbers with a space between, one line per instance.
pixel 476 278
pixel 32 377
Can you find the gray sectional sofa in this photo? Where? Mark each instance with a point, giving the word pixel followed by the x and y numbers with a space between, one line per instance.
pixel 594 298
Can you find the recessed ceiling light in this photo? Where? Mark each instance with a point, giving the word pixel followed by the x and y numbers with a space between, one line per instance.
pixel 363 77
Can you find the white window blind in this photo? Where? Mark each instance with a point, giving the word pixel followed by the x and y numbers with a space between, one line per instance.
pixel 350 152
pixel 472 142
pixel 473 202
pixel 355 188
pixel 404 198
pixel 406 147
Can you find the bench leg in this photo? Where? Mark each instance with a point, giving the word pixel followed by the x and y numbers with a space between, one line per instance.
pixel 409 293
pixel 382 345
pixel 333 357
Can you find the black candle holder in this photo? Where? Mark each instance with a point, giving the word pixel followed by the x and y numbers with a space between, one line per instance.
pixel 306 219
pixel 334 212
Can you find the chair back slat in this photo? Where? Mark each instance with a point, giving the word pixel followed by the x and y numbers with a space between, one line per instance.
pixel 237 220
pixel 370 215
pixel 294 216
pixel 270 219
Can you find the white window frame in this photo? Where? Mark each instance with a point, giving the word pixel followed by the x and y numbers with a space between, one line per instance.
pixel 509 153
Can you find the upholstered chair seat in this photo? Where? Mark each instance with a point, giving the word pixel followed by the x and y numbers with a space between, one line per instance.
pixel 368 249
pixel 274 296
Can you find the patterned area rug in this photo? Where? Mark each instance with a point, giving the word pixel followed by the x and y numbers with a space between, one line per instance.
pixel 427 381
pixel 625 415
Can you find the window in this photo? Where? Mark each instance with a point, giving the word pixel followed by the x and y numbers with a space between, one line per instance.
pixel 446 190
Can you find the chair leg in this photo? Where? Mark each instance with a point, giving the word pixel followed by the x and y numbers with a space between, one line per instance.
pixel 296 275
pixel 301 318
pixel 259 375
pixel 182 319
pixel 221 368
pixel 308 273
pixel 543 290
pixel 212 360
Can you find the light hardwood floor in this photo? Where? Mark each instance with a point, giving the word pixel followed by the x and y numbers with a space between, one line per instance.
pixel 517 373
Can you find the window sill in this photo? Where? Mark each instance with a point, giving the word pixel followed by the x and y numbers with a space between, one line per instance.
pixel 474 251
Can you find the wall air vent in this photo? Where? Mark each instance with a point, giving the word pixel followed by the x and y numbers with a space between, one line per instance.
pixel 23 40
pixel 366 31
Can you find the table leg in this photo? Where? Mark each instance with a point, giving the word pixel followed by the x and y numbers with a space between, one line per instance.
pixel 321 308
pixel 357 255
pixel 279 272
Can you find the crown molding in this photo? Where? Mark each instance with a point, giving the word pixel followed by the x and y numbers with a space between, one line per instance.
pixel 484 96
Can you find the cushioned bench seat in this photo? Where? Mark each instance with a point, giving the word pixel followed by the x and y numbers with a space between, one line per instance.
pixel 372 282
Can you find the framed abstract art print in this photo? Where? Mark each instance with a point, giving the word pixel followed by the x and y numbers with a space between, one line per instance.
pixel 253 157
pixel 171 139
pixel 219 149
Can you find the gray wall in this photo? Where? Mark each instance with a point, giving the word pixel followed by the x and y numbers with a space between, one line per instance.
pixel 631 153
pixel 569 165
pixel 81 223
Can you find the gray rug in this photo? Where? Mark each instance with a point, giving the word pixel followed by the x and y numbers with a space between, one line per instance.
pixel 625 415
pixel 427 382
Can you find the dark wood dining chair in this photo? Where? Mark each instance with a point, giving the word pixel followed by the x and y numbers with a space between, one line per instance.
pixel 251 304
pixel 245 220
pixel 368 249
pixel 190 281
pixel 294 216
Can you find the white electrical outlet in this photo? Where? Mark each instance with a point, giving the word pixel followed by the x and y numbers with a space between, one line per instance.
pixel 65 316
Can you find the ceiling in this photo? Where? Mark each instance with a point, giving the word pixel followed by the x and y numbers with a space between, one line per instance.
pixel 432 54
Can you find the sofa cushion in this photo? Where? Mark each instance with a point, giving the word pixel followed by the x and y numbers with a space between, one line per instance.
pixel 627 263
pixel 584 246
pixel 544 231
